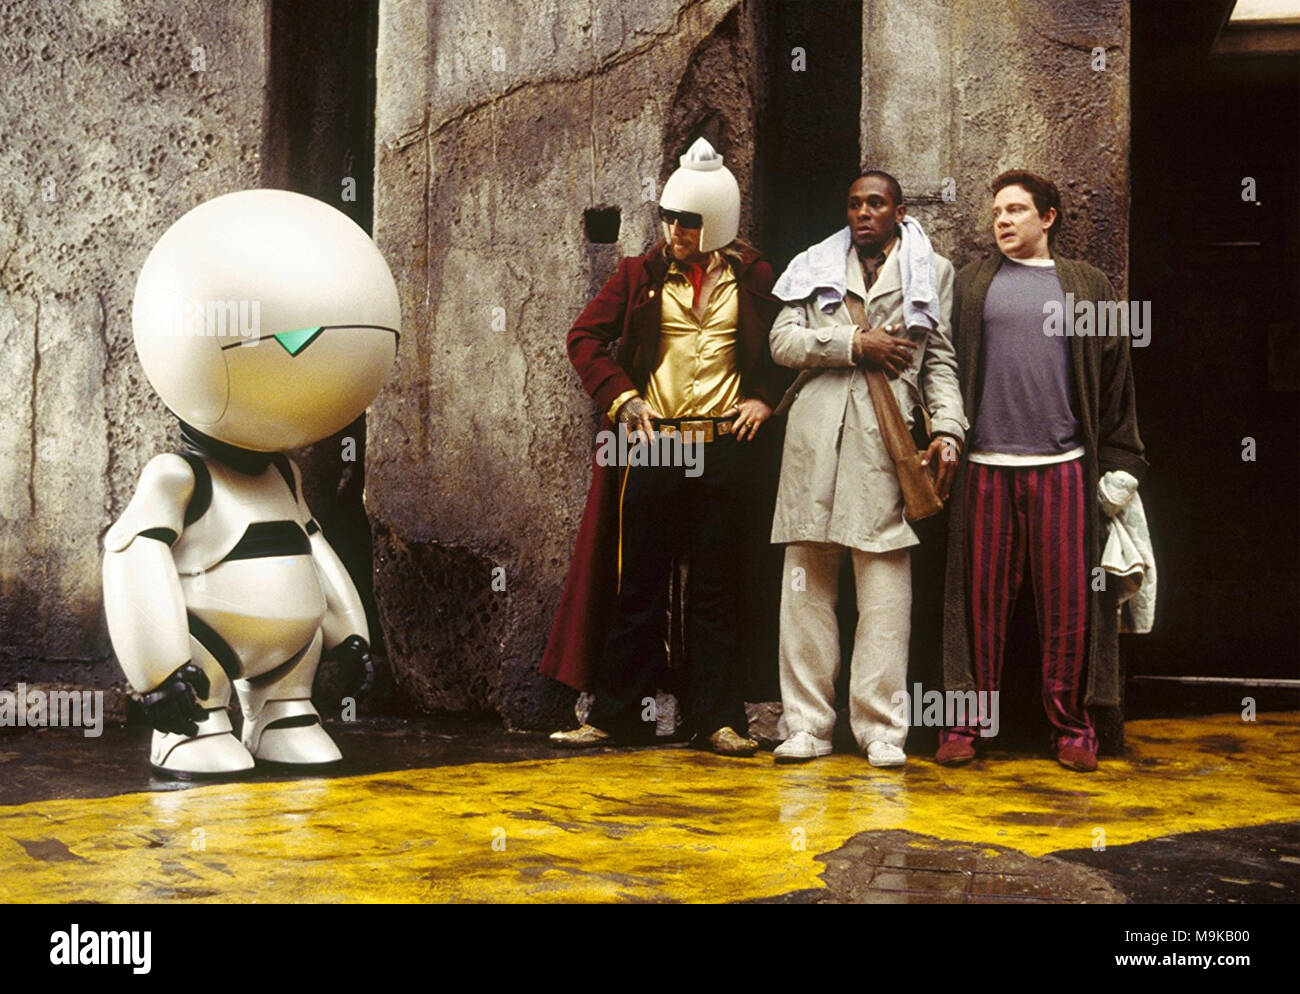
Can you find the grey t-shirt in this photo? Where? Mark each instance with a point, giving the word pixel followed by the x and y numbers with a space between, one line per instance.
pixel 1026 404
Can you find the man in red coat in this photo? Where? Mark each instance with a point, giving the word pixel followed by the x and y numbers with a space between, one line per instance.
pixel 691 319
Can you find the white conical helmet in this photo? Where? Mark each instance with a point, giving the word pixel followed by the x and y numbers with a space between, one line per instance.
pixel 704 186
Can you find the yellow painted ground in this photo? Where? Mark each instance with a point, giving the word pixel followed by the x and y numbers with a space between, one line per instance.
pixel 657 824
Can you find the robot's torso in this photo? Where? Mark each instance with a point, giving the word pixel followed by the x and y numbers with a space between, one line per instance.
pixel 245 566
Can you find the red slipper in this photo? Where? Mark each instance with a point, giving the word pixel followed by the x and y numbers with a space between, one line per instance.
pixel 955 752
pixel 1076 758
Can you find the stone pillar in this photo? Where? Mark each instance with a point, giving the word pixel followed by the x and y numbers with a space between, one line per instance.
pixel 497 127
pixel 118 118
pixel 961 91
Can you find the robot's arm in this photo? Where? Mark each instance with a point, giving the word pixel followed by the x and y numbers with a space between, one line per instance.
pixel 143 598
pixel 344 613
pixel 344 630
pixel 344 627
pixel 142 593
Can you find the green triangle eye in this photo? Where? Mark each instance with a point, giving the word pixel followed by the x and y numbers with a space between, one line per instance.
pixel 294 342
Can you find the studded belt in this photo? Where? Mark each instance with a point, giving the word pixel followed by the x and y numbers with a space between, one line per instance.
pixel 713 429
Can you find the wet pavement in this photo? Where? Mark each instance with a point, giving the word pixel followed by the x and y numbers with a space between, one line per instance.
pixel 1203 809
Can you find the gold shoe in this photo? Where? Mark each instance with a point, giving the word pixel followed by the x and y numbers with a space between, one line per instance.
pixel 725 742
pixel 582 737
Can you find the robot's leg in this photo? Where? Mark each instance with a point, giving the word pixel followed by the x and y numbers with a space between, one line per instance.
pixel 280 724
pixel 214 751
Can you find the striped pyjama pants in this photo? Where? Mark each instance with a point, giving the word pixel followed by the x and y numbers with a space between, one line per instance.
pixel 1031 514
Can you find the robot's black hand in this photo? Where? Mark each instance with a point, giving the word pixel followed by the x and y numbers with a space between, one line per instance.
pixel 356 669
pixel 173 706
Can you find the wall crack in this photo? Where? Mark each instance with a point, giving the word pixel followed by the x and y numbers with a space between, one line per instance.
pixel 36 370
pixel 611 62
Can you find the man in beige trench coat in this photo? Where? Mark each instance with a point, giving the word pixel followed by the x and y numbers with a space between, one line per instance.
pixel 838 490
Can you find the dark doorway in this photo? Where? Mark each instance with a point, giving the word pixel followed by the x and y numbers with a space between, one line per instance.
pixel 807 147
pixel 806 151
pixel 1222 272
pixel 320 136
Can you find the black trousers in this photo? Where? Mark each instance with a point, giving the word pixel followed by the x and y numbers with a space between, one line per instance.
pixel 666 512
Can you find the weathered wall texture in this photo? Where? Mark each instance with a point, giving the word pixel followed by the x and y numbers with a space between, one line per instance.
pixel 110 135
pixel 967 90
pixel 495 131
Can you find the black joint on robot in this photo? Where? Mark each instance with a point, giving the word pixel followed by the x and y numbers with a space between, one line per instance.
pixel 294 721
pixel 265 539
pixel 218 647
pixel 201 499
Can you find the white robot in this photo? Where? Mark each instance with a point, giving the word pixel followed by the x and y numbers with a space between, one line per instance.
pixel 265 320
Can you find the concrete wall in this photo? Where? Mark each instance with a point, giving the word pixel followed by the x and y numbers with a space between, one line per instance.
pixel 494 134
pixel 111 133
pixel 967 90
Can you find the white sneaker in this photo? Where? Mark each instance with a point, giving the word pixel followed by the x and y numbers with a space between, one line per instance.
pixel 884 754
pixel 801 747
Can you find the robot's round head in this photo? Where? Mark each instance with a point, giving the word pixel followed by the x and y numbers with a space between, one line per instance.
pixel 266 319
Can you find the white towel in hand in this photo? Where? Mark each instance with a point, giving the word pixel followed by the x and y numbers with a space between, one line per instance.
pixel 1127 555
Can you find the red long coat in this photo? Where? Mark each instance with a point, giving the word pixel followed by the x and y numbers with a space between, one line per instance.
pixel 627 310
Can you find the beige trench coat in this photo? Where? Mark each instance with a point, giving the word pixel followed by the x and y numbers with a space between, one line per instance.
pixel 837 481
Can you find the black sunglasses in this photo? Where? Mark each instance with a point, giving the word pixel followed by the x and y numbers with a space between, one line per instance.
pixel 683 219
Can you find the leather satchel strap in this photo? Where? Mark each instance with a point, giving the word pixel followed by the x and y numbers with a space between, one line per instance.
pixel 893 429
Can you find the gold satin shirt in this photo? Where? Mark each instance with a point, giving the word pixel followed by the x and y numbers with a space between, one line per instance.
pixel 696 376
